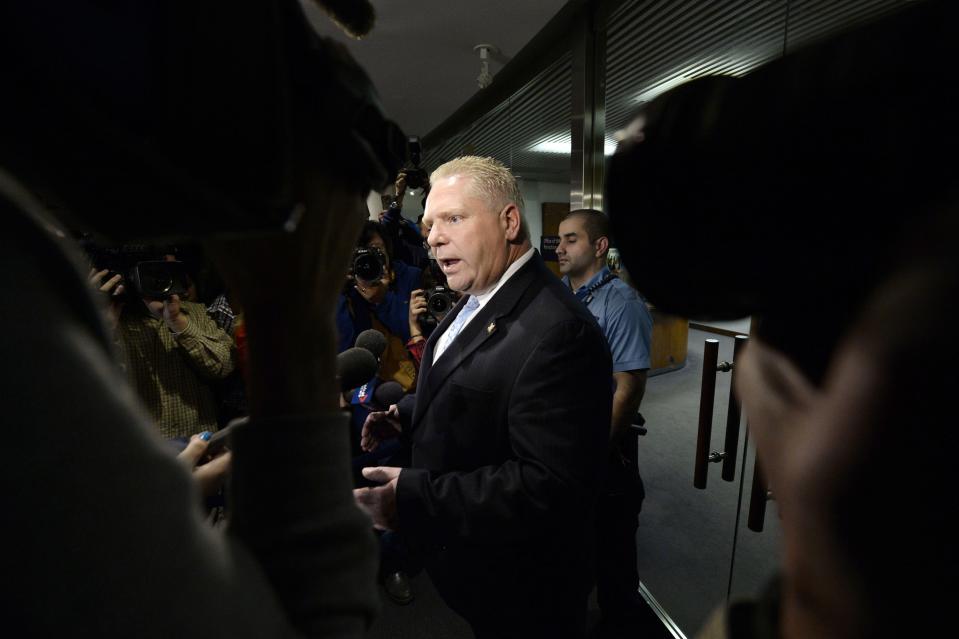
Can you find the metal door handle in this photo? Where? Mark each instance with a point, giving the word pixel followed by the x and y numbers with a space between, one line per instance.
pixel 733 416
pixel 759 494
pixel 707 397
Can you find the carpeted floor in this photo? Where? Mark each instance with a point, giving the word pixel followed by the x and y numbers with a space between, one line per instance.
pixel 686 535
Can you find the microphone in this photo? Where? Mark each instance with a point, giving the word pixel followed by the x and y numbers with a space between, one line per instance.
pixel 386 394
pixel 373 341
pixel 355 367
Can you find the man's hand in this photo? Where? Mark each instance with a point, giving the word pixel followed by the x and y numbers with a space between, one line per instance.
pixel 630 388
pixel 114 288
pixel 211 474
pixel 372 292
pixel 379 502
pixel 174 319
pixel 380 426
pixel 399 190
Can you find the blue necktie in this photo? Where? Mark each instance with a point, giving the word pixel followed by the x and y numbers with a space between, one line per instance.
pixel 447 338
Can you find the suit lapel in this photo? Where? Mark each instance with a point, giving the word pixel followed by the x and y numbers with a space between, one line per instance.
pixel 480 329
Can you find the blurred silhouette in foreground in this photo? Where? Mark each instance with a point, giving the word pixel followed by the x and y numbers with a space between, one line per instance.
pixel 238 125
pixel 819 195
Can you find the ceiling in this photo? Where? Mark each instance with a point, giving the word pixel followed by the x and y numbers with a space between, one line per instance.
pixel 425 68
pixel 420 54
pixel 652 46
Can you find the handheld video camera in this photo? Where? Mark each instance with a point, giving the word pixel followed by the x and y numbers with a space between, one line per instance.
pixel 415 176
pixel 142 273
pixel 369 264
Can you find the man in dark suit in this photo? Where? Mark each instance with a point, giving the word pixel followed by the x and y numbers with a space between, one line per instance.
pixel 509 424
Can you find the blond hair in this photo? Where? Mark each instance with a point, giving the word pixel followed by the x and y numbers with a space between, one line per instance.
pixel 490 181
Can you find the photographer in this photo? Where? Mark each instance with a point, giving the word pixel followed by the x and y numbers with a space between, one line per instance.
pixel 172 349
pixel 417 342
pixel 409 245
pixel 427 310
pixel 377 296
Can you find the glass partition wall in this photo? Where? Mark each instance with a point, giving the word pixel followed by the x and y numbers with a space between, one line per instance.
pixel 696 547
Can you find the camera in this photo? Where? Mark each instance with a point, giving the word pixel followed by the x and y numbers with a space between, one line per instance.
pixel 369 264
pixel 140 269
pixel 416 177
pixel 159 280
pixel 439 301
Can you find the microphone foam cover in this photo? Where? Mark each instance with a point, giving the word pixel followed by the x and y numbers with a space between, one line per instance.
pixel 373 341
pixel 355 367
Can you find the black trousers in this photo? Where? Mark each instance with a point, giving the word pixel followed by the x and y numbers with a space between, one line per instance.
pixel 617 580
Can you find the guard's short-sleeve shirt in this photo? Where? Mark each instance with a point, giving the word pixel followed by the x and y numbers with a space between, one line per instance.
pixel 625 320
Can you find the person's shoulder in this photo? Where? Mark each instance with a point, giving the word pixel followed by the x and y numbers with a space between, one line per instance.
pixel 621 291
pixel 622 294
pixel 625 302
pixel 556 303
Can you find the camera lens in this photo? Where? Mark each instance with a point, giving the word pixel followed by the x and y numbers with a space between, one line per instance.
pixel 439 303
pixel 160 285
pixel 156 279
pixel 368 267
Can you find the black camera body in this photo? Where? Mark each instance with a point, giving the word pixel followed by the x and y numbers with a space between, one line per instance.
pixel 416 178
pixel 369 264
pixel 159 280
pixel 439 302
pixel 143 274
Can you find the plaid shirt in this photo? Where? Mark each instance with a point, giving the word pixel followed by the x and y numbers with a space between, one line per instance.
pixel 222 313
pixel 168 371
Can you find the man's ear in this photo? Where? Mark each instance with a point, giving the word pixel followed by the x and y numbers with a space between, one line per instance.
pixel 602 246
pixel 511 217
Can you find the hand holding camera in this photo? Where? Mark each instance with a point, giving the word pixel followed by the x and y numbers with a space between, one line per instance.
pixel 418 308
pixel 112 286
pixel 415 177
pixel 174 319
pixel 430 307
pixel 399 187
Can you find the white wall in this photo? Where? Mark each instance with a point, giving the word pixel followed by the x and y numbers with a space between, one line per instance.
pixel 412 204
pixel 374 205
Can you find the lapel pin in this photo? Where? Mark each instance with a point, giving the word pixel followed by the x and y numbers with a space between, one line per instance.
pixel 491 328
